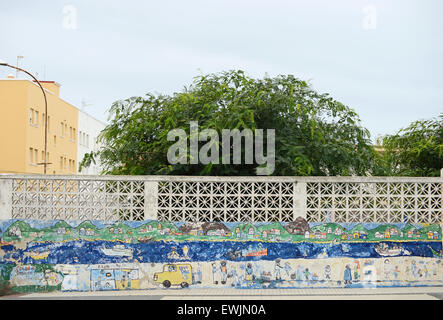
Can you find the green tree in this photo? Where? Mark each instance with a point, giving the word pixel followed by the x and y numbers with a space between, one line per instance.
pixel 416 150
pixel 314 134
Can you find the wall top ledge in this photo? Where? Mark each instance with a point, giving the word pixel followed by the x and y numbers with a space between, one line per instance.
pixel 227 178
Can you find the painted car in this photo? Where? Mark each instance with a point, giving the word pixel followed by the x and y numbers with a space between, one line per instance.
pixel 175 274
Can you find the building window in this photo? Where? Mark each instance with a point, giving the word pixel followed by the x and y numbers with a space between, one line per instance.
pixel 61 163
pixel 74 135
pixel 36 155
pixel 36 118
pixel 61 129
pixel 31 155
pixel 55 140
pixel 31 116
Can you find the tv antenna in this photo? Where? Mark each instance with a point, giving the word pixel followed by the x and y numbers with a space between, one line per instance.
pixel 84 103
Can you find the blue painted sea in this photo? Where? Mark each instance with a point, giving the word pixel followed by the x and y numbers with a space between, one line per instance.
pixel 94 252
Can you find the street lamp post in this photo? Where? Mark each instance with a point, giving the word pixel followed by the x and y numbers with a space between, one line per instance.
pixel 45 163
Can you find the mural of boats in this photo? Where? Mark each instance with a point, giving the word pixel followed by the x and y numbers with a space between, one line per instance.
pixel 250 252
pixel 36 255
pixel 384 250
pixel 117 251
pixel 145 239
pixel 435 253
pixel 5 243
pixel 234 254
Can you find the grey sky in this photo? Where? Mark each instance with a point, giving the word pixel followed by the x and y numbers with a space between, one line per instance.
pixel 391 75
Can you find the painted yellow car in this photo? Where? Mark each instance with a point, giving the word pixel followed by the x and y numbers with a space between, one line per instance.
pixel 175 275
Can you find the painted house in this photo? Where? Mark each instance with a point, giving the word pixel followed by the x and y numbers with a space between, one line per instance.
pixel 165 231
pixel 147 229
pixel 251 231
pixel 216 232
pixel 274 231
pixel 329 231
pixel 307 235
pixel 15 232
pixel 338 232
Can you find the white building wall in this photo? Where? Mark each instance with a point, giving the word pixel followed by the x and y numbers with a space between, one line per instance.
pixel 88 130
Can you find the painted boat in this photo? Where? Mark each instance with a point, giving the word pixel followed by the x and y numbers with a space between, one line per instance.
pixel 256 253
pixel 435 253
pixel 5 243
pixel 39 255
pixel 145 239
pixel 117 251
pixel 388 252
pixel 323 254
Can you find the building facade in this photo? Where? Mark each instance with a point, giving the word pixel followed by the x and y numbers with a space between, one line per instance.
pixel 22 129
pixel 88 130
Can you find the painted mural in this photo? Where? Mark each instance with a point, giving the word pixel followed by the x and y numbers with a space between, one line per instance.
pixel 96 255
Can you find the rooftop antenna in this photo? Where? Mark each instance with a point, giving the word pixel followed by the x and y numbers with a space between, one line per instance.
pixel 84 104
pixel 16 71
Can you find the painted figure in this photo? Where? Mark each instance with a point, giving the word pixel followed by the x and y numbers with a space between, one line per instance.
pixel 236 281
pixel 356 270
pixel 396 272
pixel 277 269
pixel 224 272
pixel 288 269
pixel 327 273
pixel 299 273
pixel 306 274
pixel 185 252
pixel 249 272
pixel 214 273
pixel 414 269
pixel 387 269
pixel 347 276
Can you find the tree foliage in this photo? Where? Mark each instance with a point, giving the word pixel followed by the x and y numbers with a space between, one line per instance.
pixel 416 150
pixel 314 134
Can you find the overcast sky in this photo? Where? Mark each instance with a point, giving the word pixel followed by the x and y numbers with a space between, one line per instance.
pixel 381 58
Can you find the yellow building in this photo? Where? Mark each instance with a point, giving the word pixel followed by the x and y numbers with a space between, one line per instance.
pixel 22 133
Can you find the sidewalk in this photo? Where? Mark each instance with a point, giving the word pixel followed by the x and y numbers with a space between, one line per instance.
pixel 404 293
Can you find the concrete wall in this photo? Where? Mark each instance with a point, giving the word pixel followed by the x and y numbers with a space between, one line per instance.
pixel 99 255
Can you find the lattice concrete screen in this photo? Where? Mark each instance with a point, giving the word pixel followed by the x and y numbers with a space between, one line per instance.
pixel 381 202
pixel 229 199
